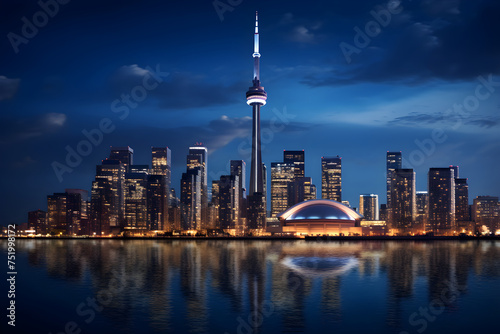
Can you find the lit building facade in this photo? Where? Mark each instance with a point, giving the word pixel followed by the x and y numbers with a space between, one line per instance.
pixel 136 195
pixel 462 212
pixel 320 217
pixel 441 187
pixel 331 178
pixel 368 206
pixel 282 175
pixel 403 200
pixel 191 199
pixel 229 197
pixel 394 161
pixel 486 211
pixel 123 154
pixel 422 216
pixel 107 197
pixel 37 221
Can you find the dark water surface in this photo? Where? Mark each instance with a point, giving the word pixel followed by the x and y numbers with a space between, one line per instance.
pixel 154 286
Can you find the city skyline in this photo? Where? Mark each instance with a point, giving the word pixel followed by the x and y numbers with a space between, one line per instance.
pixel 42 118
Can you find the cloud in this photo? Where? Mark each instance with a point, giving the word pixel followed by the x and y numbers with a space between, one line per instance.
pixel 437 7
pixel 440 41
pixel 8 87
pixel 15 130
pixel 442 119
pixel 302 35
pixel 178 90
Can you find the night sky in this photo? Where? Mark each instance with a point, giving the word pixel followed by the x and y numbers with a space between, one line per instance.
pixel 412 87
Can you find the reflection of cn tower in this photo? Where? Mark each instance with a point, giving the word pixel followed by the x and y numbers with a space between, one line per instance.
pixel 256 97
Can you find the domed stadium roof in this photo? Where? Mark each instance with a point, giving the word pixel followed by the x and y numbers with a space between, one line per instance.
pixel 319 209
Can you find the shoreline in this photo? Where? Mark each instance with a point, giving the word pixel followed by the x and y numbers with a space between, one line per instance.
pixel 268 238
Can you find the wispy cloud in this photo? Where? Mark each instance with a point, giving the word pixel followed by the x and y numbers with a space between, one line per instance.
pixel 8 87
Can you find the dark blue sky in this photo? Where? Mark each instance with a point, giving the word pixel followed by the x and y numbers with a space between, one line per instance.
pixel 401 89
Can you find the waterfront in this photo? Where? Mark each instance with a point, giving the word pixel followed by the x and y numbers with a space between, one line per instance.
pixel 219 286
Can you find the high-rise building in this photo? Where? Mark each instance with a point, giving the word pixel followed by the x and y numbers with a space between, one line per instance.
pixel 238 168
pixel 37 221
pixel 107 198
pixel 486 211
pixel 191 199
pixel 462 212
pixel 393 162
pixel 57 213
pixel 77 204
pixel 441 187
pixel 301 188
pixel 136 197
pixel 198 159
pixel 161 163
pixel 215 221
pixel 123 154
pixel 282 175
pixel 422 220
pixel 331 178
pixel 403 200
pixel 297 158
pixel 368 206
pixel 455 171
pixel 157 202
pixel 64 212
pixel 229 197
pixel 256 97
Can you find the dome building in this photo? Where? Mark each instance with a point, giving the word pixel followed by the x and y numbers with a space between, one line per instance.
pixel 320 217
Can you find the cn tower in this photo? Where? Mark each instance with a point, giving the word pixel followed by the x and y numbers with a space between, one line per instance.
pixel 256 97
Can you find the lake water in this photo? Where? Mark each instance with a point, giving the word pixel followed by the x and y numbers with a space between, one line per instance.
pixel 155 286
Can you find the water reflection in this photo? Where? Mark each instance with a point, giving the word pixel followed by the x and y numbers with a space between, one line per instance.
pixel 197 286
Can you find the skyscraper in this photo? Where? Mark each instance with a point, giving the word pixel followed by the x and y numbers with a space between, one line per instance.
pixel 422 216
pixel 441 188
pixel 107 200
pixel 393 162
pixel 215 222
pixel 198 159
pixel 256 97
pixel 238 168
pixel 331 178
pixel 403 200
pixel 123 154
pixel 282 175
pixel 161 161
pixel 462 213
pixel 300 185
pixel 368 206
pixel 191 199
pixel 229 197
pixel 297 158
pixel 135 193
